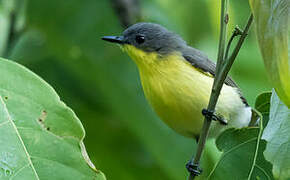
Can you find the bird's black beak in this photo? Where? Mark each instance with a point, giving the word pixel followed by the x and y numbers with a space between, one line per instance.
pixel 114 39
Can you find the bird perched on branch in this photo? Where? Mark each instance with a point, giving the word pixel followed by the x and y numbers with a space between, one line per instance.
pixel 177 81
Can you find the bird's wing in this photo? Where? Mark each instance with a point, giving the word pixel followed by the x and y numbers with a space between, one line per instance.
pixel 200 61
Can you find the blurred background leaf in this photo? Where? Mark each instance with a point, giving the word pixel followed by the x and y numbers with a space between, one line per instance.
pixel 271 22
pixel 125 139
pixel 277 136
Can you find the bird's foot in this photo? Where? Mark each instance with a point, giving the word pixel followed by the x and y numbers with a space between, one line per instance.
pixel 213 116
pixel 193 169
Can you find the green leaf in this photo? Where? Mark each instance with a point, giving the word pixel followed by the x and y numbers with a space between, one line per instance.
pixel 242 156
pixel 278 138
pixel 262 105
pixel 41 138
pixel 243 150
pixel 271 22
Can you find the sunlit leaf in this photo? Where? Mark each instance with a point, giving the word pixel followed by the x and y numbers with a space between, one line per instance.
pixel 271 22
pixel 278 138
pixel 41 138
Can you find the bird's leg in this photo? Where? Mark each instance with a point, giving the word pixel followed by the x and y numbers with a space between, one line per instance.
pixel 193 169
pixel 213 116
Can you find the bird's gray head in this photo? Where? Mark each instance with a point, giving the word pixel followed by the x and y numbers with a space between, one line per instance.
pixel 149 37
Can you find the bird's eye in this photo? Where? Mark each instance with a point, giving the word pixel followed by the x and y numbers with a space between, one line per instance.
pixel 140 39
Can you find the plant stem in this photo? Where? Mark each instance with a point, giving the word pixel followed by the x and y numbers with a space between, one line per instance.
pixel 223 34
pixel 214 92
pixel 236 32
pixel 234 54
pixel 223 67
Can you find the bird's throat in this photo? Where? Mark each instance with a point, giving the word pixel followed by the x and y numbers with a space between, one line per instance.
pixel 141 58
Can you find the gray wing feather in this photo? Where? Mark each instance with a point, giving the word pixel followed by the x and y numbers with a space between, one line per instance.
pixel 199 60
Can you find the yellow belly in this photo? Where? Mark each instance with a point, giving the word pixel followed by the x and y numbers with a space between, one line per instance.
pixel 178 92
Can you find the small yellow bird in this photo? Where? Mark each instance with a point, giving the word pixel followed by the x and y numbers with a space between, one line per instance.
pixel 177 80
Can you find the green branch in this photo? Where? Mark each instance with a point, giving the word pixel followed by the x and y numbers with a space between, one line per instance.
pixel 223 66
pixel 237 31
pixel 223 34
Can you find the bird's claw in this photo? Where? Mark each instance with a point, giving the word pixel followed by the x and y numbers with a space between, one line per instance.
pixel 213 116
pixel 193 169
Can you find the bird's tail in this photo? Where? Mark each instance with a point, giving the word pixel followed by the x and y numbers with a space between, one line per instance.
pixel 255 118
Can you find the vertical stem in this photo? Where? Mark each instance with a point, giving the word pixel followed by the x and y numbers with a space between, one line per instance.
pixel 215 89
pixel 219 79
pixel 223 34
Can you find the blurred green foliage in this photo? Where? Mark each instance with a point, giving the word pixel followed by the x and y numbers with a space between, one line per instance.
pixel 273 34
pixel 124 138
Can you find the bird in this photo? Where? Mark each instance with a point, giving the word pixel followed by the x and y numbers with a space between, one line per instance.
pixel 177 81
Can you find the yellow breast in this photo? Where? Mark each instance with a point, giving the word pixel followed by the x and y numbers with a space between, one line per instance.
pixel 178 92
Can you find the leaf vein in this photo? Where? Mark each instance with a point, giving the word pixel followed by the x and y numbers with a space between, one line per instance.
pixel 266 174
pixel 3 123
pixel 227 152
pixel 45 159
pixel 232 149
pixel 19 170
pixel 18 135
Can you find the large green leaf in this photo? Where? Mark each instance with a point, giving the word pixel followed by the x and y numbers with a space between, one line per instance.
pixel 271 22
pixel 41 138
pixel 243 150
pixel 242 156
pixel 278 138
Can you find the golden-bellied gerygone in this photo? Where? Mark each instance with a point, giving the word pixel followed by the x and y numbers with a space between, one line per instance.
pixel 177 80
